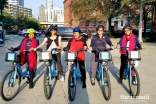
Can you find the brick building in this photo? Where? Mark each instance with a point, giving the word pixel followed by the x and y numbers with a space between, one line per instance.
pixel 69 19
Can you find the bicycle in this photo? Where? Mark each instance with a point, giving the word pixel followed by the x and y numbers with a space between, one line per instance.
pixel 51 71
pixel 102 72
pixel 12 78
pixel 74 72
pixel 131 73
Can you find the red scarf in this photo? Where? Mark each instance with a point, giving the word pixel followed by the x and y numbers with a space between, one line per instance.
pixel 132 45
pixel 75 45
pixel 31 55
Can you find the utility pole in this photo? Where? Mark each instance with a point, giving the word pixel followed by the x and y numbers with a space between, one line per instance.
pixel 140 22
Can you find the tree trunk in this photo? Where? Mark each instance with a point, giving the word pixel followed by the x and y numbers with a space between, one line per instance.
pixel 145 19
pixel 154 18
pixel 1 15
pixel 140 23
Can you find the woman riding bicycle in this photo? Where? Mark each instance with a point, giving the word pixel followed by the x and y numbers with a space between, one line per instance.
pixel 73 45
pixel 128 40
pixel 54 41
pixel 28 43
pixel 99 42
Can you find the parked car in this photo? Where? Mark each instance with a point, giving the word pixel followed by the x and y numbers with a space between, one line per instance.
pixel 38 33
pixel 66 32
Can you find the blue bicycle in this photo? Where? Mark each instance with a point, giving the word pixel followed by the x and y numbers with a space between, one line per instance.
pixel 11 81
pixel 102 72
pixel 51 71
pixel 74 72
pixel 131 73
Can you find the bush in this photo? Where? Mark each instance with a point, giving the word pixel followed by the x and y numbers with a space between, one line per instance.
pixel 149 37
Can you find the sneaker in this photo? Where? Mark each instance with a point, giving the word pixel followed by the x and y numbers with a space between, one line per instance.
pixel 133 80
pixel 62 78
pixel 30 85
pixel 120 80
pixel 93 81
pixel 84 85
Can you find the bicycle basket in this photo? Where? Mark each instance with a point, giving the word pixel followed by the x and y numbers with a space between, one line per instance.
pixel 45 56
pixel 105 56
pixel 10 57
pixel 134 55
pixel 70 56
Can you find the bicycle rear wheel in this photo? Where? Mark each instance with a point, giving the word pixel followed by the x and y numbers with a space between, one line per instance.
pixel 47 85
pixel 71 86
pixel 106 88
pixel 134 84
pixel 10 86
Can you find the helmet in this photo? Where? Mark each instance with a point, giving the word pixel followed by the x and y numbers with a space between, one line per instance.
pixel 77 29
pixel 100 26
pixel 31 30
pixel 127 27
pixel 53 26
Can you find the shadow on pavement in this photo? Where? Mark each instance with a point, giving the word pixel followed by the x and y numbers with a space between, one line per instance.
pixel 81 93
pixel 115 72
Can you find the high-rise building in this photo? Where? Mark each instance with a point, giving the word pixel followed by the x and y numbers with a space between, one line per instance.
pixel 15 2
pixel 14 9
pixel 50 13
pixel 42 16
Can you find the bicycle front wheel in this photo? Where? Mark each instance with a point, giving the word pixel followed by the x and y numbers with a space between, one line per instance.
pixel 10 85
pixel 106 88
pixel 134 83
pixel 47 85
pixel 71 86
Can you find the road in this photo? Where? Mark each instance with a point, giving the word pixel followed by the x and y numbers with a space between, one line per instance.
pixel 92 94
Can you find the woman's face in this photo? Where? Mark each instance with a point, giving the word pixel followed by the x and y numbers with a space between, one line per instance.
pixel 100 31
pixel 76 34
pixel 31 35
pixel 53 31
pixel 127 31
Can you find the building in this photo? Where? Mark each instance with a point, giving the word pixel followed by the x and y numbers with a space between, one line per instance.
pixel 42 16
pixel 15 2
pixel 14 9
pixel 116 22
pixel 50 13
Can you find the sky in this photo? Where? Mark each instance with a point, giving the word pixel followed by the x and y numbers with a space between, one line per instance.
pixel 35 4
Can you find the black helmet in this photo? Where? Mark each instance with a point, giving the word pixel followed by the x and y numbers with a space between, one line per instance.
pixel 127 27
pixel 53 26
pixel 100 26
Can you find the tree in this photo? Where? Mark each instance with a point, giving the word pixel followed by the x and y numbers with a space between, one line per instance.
pixel 3 4
pixel 9 21
pixel 32 23
pixel 102 10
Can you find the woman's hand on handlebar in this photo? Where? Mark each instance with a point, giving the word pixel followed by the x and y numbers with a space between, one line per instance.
pixel 31 49
pixel 118 46
pixel 112 47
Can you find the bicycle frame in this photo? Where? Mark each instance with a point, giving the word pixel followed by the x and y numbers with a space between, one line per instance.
pixel 128 70
pixel 76 69
pixel 99 70
pixel 52 70
pixel 18 68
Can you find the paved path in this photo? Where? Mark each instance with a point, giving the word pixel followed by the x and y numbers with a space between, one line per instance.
pixel 92 94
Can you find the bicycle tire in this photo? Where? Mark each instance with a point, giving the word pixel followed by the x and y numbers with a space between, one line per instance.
pixel 71 88
pixel 132 92
pixel 106 94
pixel 9 75
pixel 46 85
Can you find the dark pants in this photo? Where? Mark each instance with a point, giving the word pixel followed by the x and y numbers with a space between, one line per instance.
pixel 31 76
pixel 82 69
pixel 58 62
pixel 123 64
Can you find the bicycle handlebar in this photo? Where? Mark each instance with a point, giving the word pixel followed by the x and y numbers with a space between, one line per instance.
pixel 107 49
pixel 80 49
pixel 125 48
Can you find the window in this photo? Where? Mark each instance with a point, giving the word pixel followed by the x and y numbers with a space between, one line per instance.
pixel 121 22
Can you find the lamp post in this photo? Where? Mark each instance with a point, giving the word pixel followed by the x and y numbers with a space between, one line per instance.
pixel 140 22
